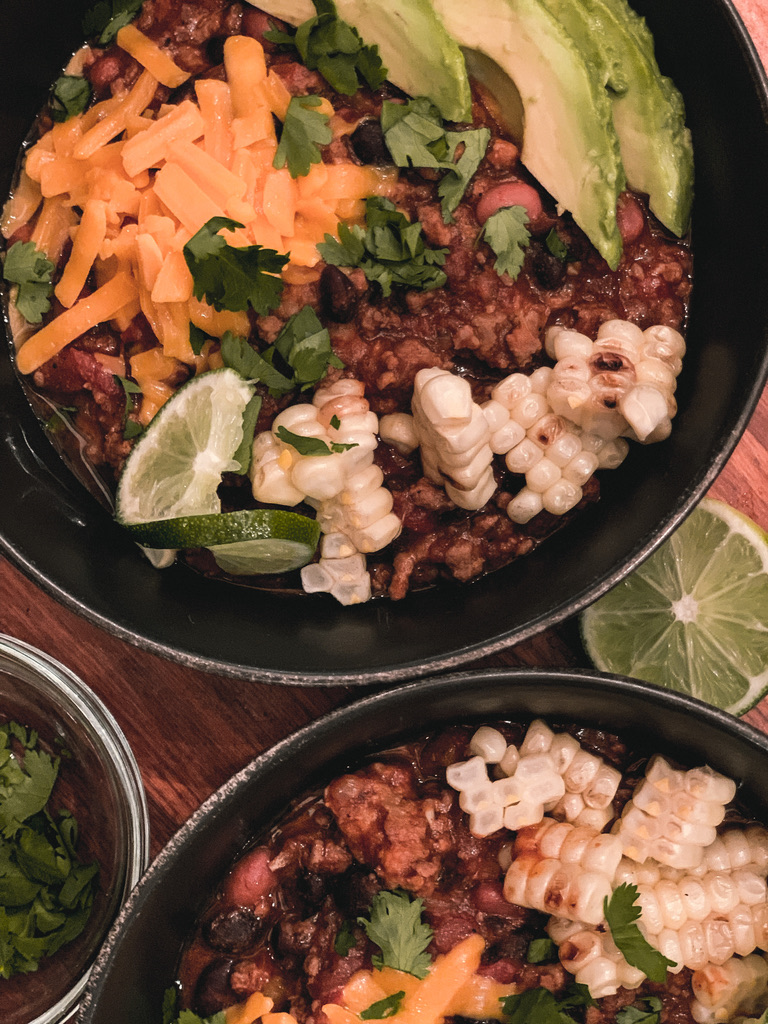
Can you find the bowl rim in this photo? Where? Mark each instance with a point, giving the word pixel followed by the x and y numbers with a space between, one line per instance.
pixel 339 720
pixel 80 701
pixel 79 599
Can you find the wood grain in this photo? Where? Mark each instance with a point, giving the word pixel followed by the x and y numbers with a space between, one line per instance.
pixel 190 731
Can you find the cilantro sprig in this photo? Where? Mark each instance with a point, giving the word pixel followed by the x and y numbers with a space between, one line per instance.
pixel 334 48
pixel 646 1011
pixel 233 277
pixel 311 445
pixel 390 249
pixel 540 1006
pixel 304 131
pixel 621 913
pixel 172 1015
pixel 507 234
pixel 46 892
pixel 70 96
pixel 132 390
pixel 105 19
pixel 416 137
pixel 32 271
pixel 396 927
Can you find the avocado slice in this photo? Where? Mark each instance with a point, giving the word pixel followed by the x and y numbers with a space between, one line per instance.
pixel 569 142
pixel 420 56
pixel 648 111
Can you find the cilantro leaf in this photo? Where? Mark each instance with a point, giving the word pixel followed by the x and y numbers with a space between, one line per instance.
pixel 507 234
pixel 304 130
pixel 26 791
pixel 130 427
pixel 454 183
pixel 31 270
pixel 334 48
pixel 311 445
pixel 383 1008
pixel 621 913
pixel 305 345
pixel 197 338
pixel 231 277
pixel 556 246
pixel 105 19
pixel 389 250
pixel 70 95
pixel 638 1015
pixel 345 940
pixel 396 927
pixel 540 1006
pixel 239 355
pixel 244 453
pixel 416 137
pixel 540 951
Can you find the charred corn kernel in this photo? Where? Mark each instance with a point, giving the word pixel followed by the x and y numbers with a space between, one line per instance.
pixel 721 992
pixel 651 816
pixel 572 844
pixel 552 887
pixel 454 437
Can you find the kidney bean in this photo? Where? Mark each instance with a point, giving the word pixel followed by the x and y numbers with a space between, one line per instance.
pixel 630 217
pixel 511 193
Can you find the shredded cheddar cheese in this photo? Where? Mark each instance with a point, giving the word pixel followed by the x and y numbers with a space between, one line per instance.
pixel 128 185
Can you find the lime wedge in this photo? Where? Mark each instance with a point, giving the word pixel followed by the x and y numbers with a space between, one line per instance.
pixel 176 465
pixel 694 616
pixel 246 543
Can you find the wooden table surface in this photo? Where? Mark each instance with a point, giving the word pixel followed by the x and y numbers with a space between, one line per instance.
pixel 243 718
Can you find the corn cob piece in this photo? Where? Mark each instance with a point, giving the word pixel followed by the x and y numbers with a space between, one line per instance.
pixel 671 814
pixel 344 486
pixel 739 986
pixel 453 434
pixel 622 384
pixel 592 957
pixel 553 886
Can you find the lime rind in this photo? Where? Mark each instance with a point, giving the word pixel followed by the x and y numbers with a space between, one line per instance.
pixel 694 616
pixel 175 467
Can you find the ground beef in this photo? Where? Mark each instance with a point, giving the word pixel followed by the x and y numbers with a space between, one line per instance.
pixel 481 325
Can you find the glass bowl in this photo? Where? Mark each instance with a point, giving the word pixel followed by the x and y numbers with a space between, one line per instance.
pixel 99 782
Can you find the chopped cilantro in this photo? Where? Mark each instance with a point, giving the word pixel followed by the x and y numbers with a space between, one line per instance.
pixel 302 352
pixel 105 19
pixel 556 245
pixel 396 927
pixel 334 48
pixel 416 137
pixel 638 1015
pixel 31 270
pixel 621 912
pixel 231 277
pixel 304 130
pixel 311 445
pixel 507 234
pixel 244 452
pixel 383 1008
pixel 130 427
pixel 46 893
pixel 197 338
pixel 541 951
pixel 345 937
pixel 540 1006
pixel 70 95
pixel 172 1015
pixel 389 250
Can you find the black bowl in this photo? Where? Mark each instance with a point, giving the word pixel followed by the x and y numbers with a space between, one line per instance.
pixel 63 540
pixel 140 955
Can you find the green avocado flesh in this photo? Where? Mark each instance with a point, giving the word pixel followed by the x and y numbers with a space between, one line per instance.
pixel 569 143
pixel 648 111
pixel 421 58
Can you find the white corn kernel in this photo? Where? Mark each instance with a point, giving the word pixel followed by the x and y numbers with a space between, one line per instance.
pixel 561 497
pixel 398 430
pixel 524 506
pixel 489 744
pixel 524 456
pixel 543 475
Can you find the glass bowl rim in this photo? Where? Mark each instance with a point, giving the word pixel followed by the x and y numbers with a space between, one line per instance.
pixel 62 684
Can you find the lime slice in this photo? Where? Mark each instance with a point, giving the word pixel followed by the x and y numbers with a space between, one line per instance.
pixel 176 465
pixel 694 616
pixel 246 543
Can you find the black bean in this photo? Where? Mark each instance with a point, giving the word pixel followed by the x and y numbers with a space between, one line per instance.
pixel 338 295
pixel 549 270
pixel 214 50
pixel 368 143
pixel 213 991
pixel 234 929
